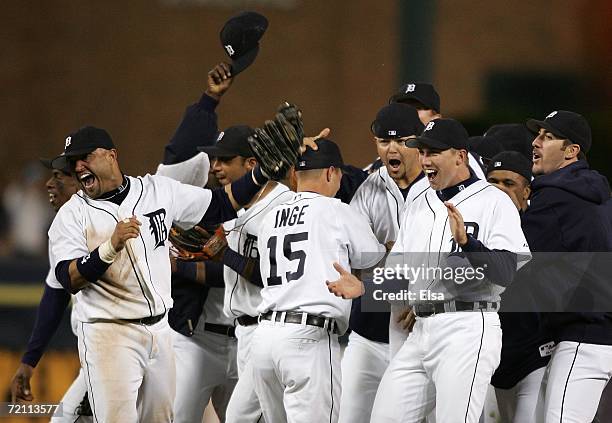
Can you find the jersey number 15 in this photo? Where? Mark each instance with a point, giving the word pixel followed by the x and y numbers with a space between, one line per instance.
pixel 291 255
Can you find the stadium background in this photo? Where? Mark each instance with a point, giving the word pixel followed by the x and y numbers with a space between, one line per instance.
pixel 132 67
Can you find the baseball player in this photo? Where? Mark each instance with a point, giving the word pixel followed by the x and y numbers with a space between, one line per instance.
pixel 122 275
pixel 233 159
pixel 381 199
pixel 569 212
pixel 60 186
pixel 448 359
pixel 424 97
pixel 203 337
pixel 295 352
pixel 526 344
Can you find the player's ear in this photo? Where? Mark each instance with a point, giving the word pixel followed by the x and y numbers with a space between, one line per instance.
pixel 572 151
pixel 250 163
pixel 113 153
pixel 526 192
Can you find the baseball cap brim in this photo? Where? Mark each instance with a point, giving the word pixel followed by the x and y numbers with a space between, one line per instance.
pixel 534 126
pixel 241 63
pixel 428 142
pixel 216 151
pixel 62 161
pixel 396 98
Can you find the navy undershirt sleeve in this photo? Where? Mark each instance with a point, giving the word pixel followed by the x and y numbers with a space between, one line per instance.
pixel 243 190
pixel 239 263
pixel 48 318
pixel 214 274
pixel 499 266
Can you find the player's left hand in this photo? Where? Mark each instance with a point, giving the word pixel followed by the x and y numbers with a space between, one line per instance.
pixel 310 141
pixel 348 286
pixel 20 385
pixel 456 224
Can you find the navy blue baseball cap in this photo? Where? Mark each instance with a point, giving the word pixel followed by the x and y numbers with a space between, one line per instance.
pixel 81 143
pixel 485 146
pixel 396 120
pixel 231 143
pixel 327 155
pixel 512 161
pixel 565 125
pixel 442 134
pixel 421 92
pixel 512 136
pixel 240 38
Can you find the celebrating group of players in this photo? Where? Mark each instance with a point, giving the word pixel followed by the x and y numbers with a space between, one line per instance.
pixel 255 328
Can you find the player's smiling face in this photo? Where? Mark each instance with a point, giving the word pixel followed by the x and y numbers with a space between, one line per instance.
pixel 60 187
pixel 397 158
pixel 548 153
pixel 228 170
pixel 443 168
pixel 96 173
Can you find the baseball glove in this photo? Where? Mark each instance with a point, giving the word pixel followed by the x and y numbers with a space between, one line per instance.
pixel 276 145
pixel 197 244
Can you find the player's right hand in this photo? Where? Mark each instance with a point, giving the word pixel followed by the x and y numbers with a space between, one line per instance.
pixel 219 80
pixel 348 286
pixel 310 141
pixel 406 319
pixel 20 385
pixel 124 230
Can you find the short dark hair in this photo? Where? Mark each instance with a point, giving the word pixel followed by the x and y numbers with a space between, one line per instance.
pixel 581 154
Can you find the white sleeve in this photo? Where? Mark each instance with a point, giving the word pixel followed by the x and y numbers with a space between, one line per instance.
pixel 192 172
pixel 364 249
pixel 51 280
pixel 190 203
pixel 67 235
pixel 358 203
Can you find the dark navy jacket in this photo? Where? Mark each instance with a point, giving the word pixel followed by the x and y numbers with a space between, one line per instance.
pixel 570 211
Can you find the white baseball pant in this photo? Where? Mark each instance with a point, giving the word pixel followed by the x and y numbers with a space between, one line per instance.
pixel 518 404
pixel 71 402
pixel 205 370
pixel 397 334
pixel 297 372
pixel 573 382
pixel 243 406
pixel 447 363
pixel 363 364
pixel 129 371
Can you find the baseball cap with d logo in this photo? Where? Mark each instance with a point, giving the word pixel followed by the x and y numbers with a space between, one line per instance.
pixel 240 38
pixel 81 143
pixel 565 125
pixel 442 134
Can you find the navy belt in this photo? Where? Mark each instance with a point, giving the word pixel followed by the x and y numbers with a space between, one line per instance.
pixel 151 320
pixel 429 309
pixel 229 331
pixel 326 323
pixel 247 320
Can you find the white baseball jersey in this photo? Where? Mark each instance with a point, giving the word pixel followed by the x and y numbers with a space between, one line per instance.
pixel 241 296
pixel 489 215
pixel 298 243
pixel 137 284
pixel 381 201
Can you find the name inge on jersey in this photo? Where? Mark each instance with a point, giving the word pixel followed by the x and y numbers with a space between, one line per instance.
pixel 290 216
